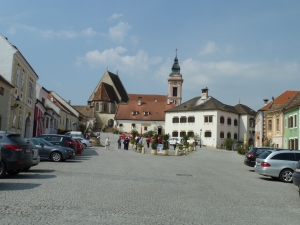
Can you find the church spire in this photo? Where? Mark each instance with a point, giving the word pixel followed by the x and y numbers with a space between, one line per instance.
pixel 175 67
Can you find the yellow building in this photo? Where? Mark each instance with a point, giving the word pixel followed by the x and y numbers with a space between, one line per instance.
pixel 15 68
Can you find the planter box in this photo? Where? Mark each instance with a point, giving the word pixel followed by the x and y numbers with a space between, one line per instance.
pixel 153 152
pixel 166 152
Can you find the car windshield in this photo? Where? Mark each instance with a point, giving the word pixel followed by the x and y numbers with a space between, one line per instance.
pixel 264 155
pixel 45 142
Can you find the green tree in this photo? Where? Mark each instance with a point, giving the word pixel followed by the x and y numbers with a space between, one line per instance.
pixel 228 143
pixel 154 142
pixel 134 133
pixel 165 141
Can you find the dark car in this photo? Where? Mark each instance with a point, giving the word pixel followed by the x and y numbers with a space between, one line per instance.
pixel 296 176
pixel 253 153
pixel 60 140
pixel 16 153
pixel 35 155
pixel 53 152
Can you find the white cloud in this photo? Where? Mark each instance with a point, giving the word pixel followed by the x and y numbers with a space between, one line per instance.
pixel 89 32
pixel 209 48
pixel 11 31
pixel 115 16
pixel 119 31
pixel 114 58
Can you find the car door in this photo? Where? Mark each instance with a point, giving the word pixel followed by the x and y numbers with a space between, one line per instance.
pixel 40 147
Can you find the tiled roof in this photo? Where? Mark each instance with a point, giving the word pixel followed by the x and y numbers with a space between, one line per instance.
pixel 105 92
pixel 292 103
pixel 155 104
pixel 119 86
pixel 59 105
pixel 198 104
pixel 277 102
pixel 6 82
pixel 84 110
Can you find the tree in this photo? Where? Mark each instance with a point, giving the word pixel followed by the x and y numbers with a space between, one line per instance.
pixel 165 141
pixel 154 142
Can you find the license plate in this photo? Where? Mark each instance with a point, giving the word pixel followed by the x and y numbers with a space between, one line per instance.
pixel 28 150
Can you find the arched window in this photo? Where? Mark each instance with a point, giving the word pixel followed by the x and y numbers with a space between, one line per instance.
pixel 235 122
pixel 221 134
pixel 104 107
pixel 228 135
pixel 222 120
pixel 229 121
pixel 235 136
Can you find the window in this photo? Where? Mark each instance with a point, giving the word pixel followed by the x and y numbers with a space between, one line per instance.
pixel 175 120
pixel 221 134
pixel 228 135
pixel 145 128
pixel 17 77
pixel 104 107
pixel 235 136
pixel 270 125
pixel 182 133
pixel 23 77
pixel 208 119
pixel 229 121
pixel 1 91
pixel 175 134
pixel 285 156
pixel 97 106
pixel 222 120
pixel 190 133
pixel 295 120
pixel 174 91
pixel 43 101
pixel 207 134
pixel 47 122
pixel 191 119
pixel 235 122
pixel 146 113
pixel 183 119
pixel 30 91
pixel 251 122
pixel 291 122
pixel 133 125
pixel 121 125
pixel 277 124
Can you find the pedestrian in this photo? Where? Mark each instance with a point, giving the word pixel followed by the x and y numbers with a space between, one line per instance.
pixel 141 140
pixel 174 146
pixel 126 143
pixel 107 143
pixel 148 142
pixel 119 142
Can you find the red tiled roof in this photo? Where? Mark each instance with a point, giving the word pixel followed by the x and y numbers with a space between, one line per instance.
pixel 155 104
pixel 281 99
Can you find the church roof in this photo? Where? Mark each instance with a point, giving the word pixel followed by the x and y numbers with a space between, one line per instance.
pixel 119 86
pixel 84 110
pixel 175 67
pixel 155 105
pixel 105 92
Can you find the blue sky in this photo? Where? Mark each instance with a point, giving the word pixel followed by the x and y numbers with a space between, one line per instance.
pixel 241 50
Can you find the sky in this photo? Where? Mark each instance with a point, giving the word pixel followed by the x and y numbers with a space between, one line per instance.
pixel 242 51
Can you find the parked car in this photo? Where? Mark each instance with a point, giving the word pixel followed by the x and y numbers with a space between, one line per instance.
pixel 60 140
pixel 79 146
pixel 253 153
pixel 74 134
pixel 53 152
pixel 175 140
pixel 277 164
pixel 35 155
pixel 86 143
pixel 124 135
pixel 296 176
pixel 16 153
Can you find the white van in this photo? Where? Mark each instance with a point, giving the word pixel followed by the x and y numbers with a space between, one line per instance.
pixel 74 134
pixel 175 140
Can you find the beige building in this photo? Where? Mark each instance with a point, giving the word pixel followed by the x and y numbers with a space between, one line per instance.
pixel 16 69
pixel 5 88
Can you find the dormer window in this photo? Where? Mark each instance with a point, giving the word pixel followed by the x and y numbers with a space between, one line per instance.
pixel 134 113
pixel 146 113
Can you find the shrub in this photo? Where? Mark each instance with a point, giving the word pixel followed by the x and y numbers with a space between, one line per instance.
pixel 228 143
pixel 154 142
pixel 134 133
pixel 243 149
pixel 165 141
pixel 132 141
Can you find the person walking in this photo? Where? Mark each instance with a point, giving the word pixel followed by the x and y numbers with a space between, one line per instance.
pixel 119 142
pixel 148 142
pixel 126 143
pixel 107 143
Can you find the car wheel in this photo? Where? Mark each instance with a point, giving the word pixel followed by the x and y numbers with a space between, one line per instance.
pixel 56 157
pixel 286 176
pixel 13 172
pixel 2 169
pixel 84 145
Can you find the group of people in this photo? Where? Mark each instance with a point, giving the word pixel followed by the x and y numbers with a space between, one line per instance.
pixel 125 143
pixel 138 140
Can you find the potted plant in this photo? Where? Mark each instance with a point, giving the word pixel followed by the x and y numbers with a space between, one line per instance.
pixel 131 142
pixel 139 147
pixel 166 144
pixel 154 145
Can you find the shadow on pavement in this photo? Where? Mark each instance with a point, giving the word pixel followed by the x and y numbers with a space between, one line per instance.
pixel 26 175
pixel 17 186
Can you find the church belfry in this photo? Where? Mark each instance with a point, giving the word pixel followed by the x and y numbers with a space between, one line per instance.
pixel 175 83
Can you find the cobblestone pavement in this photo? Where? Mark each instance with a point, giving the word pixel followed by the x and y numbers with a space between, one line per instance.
pixel 124 187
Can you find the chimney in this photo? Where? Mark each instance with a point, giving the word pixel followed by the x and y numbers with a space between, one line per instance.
pixel 51 99
pixel 69 102
pixel 266 101
pixel 140 101
pixel 168 102
pixel 204 93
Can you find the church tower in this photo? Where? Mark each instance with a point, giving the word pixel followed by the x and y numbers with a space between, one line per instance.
pixel 175 84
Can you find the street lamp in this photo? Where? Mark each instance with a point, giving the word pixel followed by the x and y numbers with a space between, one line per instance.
pixel 200 137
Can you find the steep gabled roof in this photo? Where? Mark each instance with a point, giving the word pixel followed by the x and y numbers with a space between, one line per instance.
pixel 84 110
pixel 156 105
pixel 119 86
pixel 279 101
pixel 105 92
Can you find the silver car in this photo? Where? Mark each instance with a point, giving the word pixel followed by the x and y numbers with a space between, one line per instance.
pixel 86 143
pixel 277 164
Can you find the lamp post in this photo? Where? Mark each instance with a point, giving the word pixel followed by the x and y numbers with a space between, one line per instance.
pixel 200 137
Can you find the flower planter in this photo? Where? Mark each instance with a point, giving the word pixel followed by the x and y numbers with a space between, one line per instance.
pixel 95 141
pixel 165 152
pixel 153 152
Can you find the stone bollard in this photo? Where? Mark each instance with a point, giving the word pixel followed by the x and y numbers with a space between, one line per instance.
pixel 143 150
pixel 176 152
pixel 153 152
